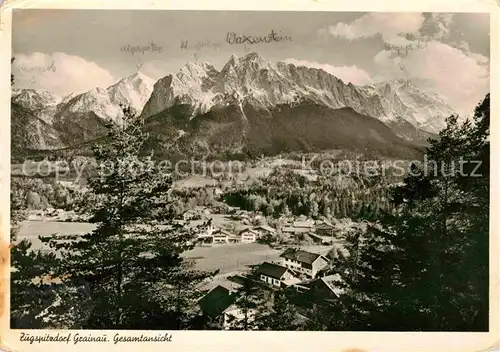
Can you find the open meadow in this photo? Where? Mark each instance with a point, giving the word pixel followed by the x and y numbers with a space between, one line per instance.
pixel 226 257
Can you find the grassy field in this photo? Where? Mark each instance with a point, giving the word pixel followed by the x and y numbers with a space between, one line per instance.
pixel 32 229
pixel 227 258
pixel 239 257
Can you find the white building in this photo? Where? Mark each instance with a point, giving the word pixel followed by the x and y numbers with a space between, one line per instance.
pixel 265 230
pixel 303 262
pixel 249 235
pixel 233 313
pixel 276 275
pixel 221 236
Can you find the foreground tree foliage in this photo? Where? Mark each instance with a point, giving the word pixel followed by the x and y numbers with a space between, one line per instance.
pixel 282 315
pixel 249 303
pixel 33 293
pixel 262 308
pixel 131 264
pixel 27 297
pixel 426 268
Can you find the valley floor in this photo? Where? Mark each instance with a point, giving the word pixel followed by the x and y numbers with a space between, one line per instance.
pixel 227 258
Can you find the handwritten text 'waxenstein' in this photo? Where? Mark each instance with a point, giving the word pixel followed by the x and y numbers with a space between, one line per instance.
pixel 273 37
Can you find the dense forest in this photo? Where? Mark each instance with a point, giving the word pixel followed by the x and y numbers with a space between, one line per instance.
pixel 287 192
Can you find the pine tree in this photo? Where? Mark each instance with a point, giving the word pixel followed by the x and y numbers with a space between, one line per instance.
pixel 282 316
pixel 313 209
pixel 320 319
pixel 426 268
pixel 250 298
pixel 37 299
pixel 26 296
pixel 132 262
pixel 11 75
pixel 30 293
pixel 476 184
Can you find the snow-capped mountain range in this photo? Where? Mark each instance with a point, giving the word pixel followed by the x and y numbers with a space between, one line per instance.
pixel 133 91
pixel 59 121
pixel 266 84
pixel 246 80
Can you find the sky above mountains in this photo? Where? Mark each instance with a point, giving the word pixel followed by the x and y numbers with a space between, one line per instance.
pixel 67 51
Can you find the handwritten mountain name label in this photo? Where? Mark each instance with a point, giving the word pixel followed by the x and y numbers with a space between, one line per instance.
pixel 151 47
pixel 204 44
pixel 47 68
pixel 402 50
pixel 273 37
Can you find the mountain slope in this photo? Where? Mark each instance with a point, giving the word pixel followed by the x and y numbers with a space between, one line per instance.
pixel 250 130
pixel 423 110
pixel 133 91
pixel 31 132
pixel 75 118
pixel 41 103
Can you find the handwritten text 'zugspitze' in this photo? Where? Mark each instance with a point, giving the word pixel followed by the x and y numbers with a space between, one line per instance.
pixel 151 47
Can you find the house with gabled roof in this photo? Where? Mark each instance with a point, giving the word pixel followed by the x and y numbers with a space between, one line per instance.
pixel 218 308
pixel 276 275
pixel 248 235
pixel 265 230
pixel 234 239
pixel 325 228
pixel 298 227
pixel 323 290
pixel 221 236
pixel 306 224
pixel 234 313
pixel 291 230
pixel 303 262
pixel 214 303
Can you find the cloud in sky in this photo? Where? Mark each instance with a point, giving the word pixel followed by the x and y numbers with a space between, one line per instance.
pixel 153 69
pixel 59 73
pixel 352 74
pixel 444 64
pixel 437 25
pixel 391 26
pixel 396 28
pixel 461 78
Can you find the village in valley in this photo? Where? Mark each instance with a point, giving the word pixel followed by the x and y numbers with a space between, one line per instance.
pixel 277 224
pixel 299 260
pixel 277 244
pixel 292 254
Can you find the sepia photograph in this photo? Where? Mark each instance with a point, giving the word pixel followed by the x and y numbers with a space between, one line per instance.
pixel 248 171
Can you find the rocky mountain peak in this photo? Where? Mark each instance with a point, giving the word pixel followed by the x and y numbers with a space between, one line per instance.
pixel 34 98
pixel 264 84
pixel 133 90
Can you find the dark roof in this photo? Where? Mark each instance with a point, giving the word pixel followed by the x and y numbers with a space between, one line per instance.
pixel 222 232
pixel 216 301
pixel 323 289
pixel 247 229
pixel 295 229
pixel 302 224
pixel 300 255
pixel 272 270
pixel 265 227
pixel 325 226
